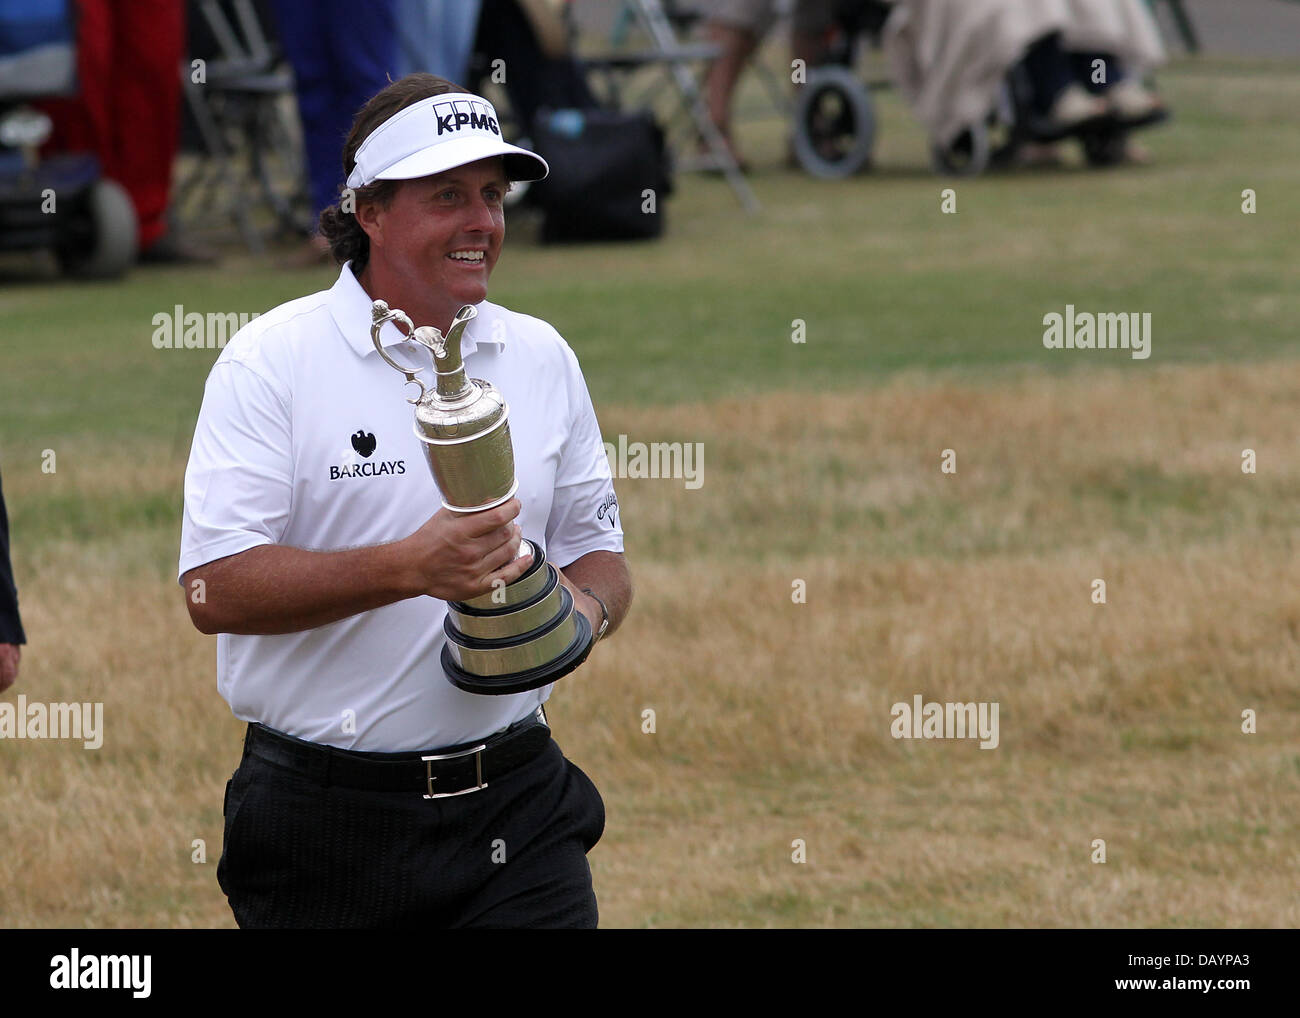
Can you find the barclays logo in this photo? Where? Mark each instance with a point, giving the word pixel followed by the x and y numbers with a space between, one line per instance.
pixel 364 443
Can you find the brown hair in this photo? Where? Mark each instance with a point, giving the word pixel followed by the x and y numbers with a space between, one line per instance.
pixel 347 240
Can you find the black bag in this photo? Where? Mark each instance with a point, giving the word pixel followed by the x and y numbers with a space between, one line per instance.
pixel 610 173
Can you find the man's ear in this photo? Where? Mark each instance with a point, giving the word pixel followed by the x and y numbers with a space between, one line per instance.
pixel 370 216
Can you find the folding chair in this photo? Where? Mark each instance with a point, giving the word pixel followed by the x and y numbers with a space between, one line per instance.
pixel 1182 21
pixel 676 58
pixel 243 118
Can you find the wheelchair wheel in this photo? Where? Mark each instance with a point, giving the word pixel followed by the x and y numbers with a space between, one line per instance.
pixel 967 155
pixel 834 125
pixel 101 239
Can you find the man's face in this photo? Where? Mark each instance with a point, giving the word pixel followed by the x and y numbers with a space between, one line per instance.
pixel 442 234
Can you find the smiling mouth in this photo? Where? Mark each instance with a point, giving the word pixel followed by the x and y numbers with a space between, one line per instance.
pixel 469 258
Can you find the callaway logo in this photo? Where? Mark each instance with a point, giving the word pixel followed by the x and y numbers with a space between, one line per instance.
pixel 608 508
pixel 364 443
pixel 460 113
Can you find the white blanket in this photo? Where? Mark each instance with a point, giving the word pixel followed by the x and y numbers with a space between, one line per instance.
pixel 949 57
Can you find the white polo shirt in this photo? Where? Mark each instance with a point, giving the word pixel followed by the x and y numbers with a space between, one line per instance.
pixel 305 439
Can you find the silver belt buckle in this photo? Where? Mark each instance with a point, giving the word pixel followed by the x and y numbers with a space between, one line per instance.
pixel 430 777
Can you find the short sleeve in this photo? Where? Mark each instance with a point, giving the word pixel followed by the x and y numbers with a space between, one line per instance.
pixel 584 510
pixel 239 481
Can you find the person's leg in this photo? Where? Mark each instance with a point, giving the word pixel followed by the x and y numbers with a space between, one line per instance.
pixel 363 59
pixel 1058 103
pixel 736 28
pixel 148 42
pixel 533 81
pixel 84 122
pixel 1049 71
pixel 1132 103
pixel 811 22
pixel 810 30
pixel 1096 79
pixel 525 849
pixel 300 25
pixel 737 45
pixel 436 36
pixel 299 854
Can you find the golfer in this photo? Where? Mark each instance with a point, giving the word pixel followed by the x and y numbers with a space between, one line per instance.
pixel 310 546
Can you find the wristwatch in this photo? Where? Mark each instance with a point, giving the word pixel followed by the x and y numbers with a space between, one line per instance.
pixel 604 614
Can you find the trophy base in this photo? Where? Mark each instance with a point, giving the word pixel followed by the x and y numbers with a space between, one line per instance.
pixel 529 678
pixel 510 641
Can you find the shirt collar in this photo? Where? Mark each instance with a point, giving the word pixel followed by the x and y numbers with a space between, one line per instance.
pixel 350 307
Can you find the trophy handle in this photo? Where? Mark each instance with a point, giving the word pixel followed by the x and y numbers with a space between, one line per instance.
pixel 381 313
pixel 440 343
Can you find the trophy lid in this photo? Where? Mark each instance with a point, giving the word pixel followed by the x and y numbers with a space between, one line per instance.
pixel 479 409
pixel 457 408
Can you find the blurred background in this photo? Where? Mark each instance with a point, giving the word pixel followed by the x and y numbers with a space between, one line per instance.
pixel 821 241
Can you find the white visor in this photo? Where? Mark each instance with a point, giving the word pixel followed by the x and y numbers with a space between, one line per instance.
pixel 437 134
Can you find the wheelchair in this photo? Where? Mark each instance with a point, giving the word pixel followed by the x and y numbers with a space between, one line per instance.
pixel 833 119
pixel 834 122
pixel 60 203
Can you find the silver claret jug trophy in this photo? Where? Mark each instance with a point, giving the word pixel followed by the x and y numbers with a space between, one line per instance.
pixel 521 635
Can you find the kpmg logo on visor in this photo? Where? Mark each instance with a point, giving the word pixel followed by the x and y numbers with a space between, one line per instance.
pixel 459 113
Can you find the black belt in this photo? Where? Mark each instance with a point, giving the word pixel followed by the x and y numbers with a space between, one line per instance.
pixel 456 770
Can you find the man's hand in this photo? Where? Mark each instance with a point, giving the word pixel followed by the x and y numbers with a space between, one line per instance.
pixel 10 654
pixel 457 556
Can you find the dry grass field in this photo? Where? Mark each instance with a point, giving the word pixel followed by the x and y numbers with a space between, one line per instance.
pixel 1119 721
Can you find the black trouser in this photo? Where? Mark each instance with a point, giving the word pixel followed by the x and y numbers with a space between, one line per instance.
pixel 533 80
pixel 1051 70
pixel 303 851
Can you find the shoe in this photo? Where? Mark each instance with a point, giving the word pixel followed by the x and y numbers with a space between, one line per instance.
pixel 1075 106
pixel 1133 154
pixel 173 248
pixel 1034 155
pixel 1132 104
